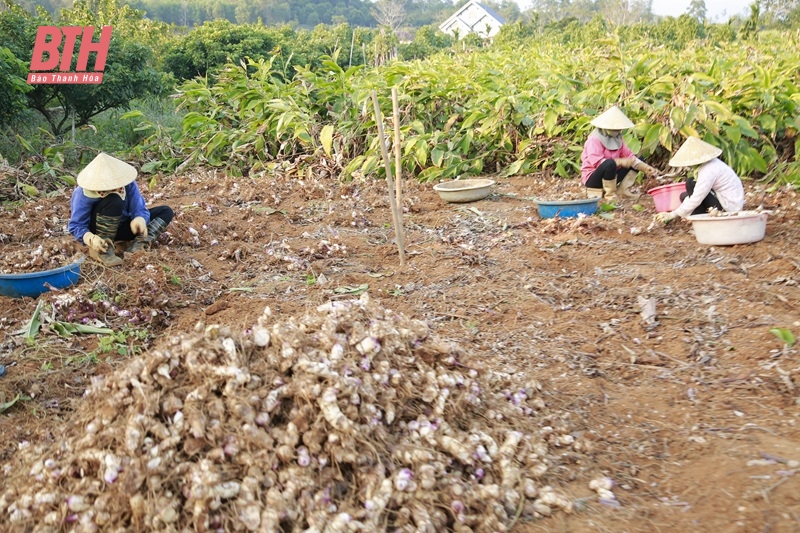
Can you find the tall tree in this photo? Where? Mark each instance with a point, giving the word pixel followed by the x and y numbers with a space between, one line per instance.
pixel 12 85
pixel 697 10
pixel 390 13
pixel 508 9
pixel 126 21
pixel 626 12
pixel 750 26
pixel 778 10
pixel 552 10
pixel 128 74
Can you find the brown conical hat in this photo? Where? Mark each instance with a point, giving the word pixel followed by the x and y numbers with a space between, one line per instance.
pixel 106 173
pixel 694 152
pixel 612 119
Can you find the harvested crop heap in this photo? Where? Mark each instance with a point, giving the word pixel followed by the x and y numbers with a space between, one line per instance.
pixel 56 254
pixel 349 418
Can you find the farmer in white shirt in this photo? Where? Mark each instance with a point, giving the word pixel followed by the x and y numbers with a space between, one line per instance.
pixel 717 184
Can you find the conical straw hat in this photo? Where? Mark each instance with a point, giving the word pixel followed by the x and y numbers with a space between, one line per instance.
pixel 612 119
pixel 106 173
pixel 694 152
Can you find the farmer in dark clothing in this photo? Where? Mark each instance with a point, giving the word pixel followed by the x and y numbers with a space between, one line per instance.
pixel 107 206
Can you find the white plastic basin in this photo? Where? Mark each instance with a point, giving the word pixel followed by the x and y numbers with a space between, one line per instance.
pixel 461 191
pixel 729 228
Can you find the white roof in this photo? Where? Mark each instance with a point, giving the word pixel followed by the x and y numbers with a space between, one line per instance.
pixel 473 17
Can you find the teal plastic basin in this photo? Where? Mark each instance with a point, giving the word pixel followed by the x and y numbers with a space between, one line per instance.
pixel 33 283
pixel 567 208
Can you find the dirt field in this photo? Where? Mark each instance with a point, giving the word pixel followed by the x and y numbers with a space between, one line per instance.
pixel 692 411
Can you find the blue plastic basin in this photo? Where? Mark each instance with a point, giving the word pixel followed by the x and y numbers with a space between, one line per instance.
pixel 567 208
pixel 33 283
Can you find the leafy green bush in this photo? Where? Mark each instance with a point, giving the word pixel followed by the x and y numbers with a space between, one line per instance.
pixel 517 32
pixel 674 33
pixel 12 85
pixel 428 40
pixel 128 73
pixel 509 108
pixel 206 48
pixel 521 104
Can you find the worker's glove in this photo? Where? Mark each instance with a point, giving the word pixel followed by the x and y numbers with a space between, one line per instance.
pixel 139 227
pixel 665 217
pixel 95 242
pixel 625 162
pixel 640 165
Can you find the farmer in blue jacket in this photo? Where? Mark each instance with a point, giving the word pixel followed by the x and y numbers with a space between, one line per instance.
pixel 107 206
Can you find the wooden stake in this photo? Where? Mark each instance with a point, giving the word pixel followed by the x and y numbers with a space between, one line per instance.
pixel 398 222
pixel 398 158
pixel 398 163
pixel 352 42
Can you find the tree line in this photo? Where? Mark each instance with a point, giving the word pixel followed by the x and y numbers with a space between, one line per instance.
pixel 299 13
pixel 413 14
pixel 152 57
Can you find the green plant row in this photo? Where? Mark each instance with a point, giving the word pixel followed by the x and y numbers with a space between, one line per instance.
pixel 507 109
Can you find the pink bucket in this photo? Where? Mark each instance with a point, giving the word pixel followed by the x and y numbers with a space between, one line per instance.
pixel 667 197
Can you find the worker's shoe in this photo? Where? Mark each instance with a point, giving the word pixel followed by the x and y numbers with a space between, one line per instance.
pixel 107 258
pixel 624 188
pixel 106 229
pixel 594 193
pixel 155 228
pixel 610 190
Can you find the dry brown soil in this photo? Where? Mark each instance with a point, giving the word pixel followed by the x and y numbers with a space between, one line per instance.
pixel 693 412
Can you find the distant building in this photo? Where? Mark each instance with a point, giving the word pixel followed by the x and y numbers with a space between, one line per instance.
pixel 473 17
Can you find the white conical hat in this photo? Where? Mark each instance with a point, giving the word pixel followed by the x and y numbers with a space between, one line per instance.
pixel 694 152
pixel 106 173
pixel 612 119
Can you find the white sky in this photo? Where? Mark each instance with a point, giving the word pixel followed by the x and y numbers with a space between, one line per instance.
pixel 716 10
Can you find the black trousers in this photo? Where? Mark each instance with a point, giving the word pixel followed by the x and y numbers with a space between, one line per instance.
pixel 112 205
pixel 708 202
pixel 606 171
